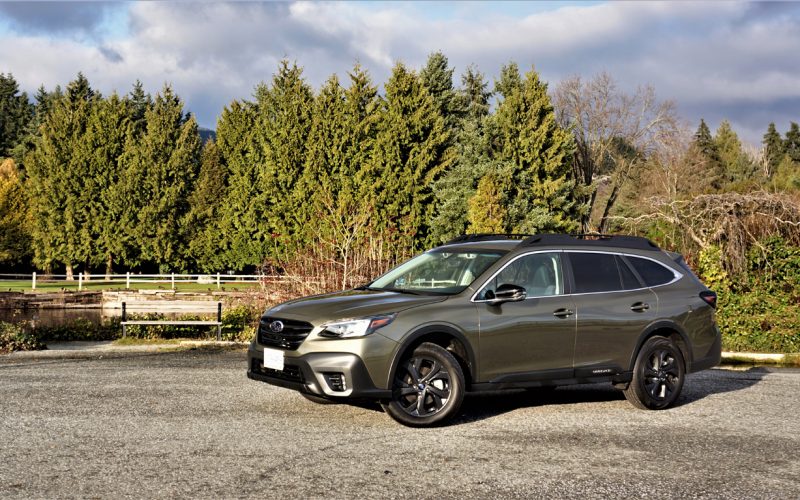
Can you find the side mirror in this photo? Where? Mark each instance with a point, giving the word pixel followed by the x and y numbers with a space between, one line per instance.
pixel 508 293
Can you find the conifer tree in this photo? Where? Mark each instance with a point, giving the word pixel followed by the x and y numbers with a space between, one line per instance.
pixel 204 207
pixel 411 151
pixel 792 143
pixel 735 166
pixel 535 152
pixel 242 229
pixel 15 239
pixel 161 169
pixel 15 114
pixel 487 213
pixel 437 77
pixel 455 188
pixel 58 169
pixel 705 146
pixel 109 220
pixel 139 103
pixel 773 148
pixel 284 121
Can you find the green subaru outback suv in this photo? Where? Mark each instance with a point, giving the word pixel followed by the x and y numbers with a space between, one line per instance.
pixel 496 312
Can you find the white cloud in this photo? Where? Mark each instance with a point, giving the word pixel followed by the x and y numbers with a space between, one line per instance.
pixel 715 59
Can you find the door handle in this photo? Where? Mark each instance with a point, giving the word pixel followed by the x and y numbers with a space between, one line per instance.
pixel 640 307
pixel 563 313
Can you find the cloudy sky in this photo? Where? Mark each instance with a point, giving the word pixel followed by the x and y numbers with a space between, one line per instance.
pixel 715 60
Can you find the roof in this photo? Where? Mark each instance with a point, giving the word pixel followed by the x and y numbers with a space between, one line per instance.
pixel 574 240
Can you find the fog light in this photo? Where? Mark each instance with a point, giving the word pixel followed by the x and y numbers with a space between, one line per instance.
pixel 336 381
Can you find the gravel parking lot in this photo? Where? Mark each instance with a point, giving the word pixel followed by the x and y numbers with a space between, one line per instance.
pixel 189 424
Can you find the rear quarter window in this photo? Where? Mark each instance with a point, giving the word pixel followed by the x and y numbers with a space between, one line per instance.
pixel 651 272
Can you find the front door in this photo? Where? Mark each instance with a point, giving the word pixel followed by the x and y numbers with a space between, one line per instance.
pixel 531 339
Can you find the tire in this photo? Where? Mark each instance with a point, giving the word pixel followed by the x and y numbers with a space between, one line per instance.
pixel 317 399
pixel 428 388
pixel 658 375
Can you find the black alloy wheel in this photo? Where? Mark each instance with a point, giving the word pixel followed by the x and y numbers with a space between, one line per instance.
pixel 428 387
pixel 658 375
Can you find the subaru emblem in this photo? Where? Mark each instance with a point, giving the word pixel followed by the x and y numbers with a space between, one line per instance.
pixel 276 326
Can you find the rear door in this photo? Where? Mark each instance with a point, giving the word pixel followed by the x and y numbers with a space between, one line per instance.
pixel 613 307
pixel 532 339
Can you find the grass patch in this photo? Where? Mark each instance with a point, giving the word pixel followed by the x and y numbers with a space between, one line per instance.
pixel 147 341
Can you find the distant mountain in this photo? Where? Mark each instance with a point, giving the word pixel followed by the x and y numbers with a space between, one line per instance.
pixel 207 133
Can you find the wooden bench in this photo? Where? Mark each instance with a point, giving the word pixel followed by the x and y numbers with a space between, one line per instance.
pixel 193 322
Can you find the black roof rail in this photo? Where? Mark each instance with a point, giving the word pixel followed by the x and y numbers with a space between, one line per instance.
pixel 592 239
pixel 467 238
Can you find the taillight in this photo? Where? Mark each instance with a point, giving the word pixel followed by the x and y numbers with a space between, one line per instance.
pixel 709 297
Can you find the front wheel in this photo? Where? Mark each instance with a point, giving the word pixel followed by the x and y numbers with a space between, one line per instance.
pixel 428 388
pixel 657 375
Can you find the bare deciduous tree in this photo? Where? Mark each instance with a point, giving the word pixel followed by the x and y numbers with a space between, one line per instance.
pixel 615 133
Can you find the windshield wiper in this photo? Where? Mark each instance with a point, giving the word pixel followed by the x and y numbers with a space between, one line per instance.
pixel 399 290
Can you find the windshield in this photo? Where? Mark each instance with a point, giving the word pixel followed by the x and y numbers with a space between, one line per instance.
pixel 439 271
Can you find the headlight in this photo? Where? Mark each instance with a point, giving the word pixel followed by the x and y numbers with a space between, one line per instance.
pixel 359 327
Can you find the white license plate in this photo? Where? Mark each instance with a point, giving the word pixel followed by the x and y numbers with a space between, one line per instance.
pixel 273 359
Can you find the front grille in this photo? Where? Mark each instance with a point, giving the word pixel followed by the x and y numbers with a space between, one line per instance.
pixel 290 372
pixel 292 335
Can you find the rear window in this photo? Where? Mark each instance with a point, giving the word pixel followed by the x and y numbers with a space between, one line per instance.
pixel 652 273
pixel 595 272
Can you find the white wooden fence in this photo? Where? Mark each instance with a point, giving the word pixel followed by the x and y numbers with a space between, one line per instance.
pixel 218 279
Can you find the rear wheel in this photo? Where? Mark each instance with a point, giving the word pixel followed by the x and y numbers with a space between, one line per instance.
pixel 428 388
pixel 657 375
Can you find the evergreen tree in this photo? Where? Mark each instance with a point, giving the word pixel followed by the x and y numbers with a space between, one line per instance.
pixel 487 213
pixel 58 169
pixel 474 94
pixel 15 239
pixel 139 103
pixel 339 144
pixel 535 155
pixel 457 186
pixel 773 148
pixel 205 205
pixel 437 77
pixel 242 228
pixel 15 114
pixel 735 166
pixel 411 151
pixel 161 170
pixel 109 220
pixel 792 143
pixel 284 122
pixel 705 146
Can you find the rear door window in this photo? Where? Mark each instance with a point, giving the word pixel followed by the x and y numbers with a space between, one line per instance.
pixel 595 272
pixel 652 273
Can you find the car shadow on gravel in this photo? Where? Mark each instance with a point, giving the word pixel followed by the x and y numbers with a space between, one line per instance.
pixel 487 405
pixel 720 380
pixel 698 386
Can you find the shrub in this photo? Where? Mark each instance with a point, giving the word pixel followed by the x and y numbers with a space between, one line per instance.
pixel 80 329
pixel 14 338
pixel 761 310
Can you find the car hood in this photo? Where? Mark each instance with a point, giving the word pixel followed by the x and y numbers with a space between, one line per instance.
pixel 319 309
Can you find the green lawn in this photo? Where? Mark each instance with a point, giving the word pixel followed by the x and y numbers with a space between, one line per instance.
pixel 55 286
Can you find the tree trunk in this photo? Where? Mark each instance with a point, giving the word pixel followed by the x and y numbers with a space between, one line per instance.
pixel 70 275
pixel 109 262
pixel 609 203
pixel 86 272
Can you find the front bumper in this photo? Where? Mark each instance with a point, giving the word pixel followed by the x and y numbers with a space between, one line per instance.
pixel 336 376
